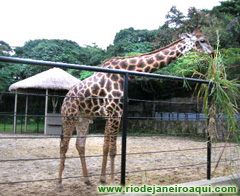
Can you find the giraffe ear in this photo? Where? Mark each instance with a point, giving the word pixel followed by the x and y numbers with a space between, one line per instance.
pixel 185 36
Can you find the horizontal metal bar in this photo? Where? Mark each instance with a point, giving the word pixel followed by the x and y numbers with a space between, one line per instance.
pixel 94 68
pixel 160 101
pixel 61 96
pixel 101 155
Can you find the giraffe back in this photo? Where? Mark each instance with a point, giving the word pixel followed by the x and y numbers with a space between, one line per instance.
pixel 99 95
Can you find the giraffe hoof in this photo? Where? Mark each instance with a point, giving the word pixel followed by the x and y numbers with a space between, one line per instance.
pixel 112 183
pixel 102 181
pixel 60 186
pixel 88 183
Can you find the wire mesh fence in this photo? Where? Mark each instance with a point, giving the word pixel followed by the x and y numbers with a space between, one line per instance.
pixel 155 124
pixel 186 159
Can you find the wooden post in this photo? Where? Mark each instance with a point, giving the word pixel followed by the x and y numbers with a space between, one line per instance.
pixel 26 111
pixel 15 114
pixel 46 111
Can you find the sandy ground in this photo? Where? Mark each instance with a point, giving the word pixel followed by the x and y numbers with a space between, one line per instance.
pixel 164 163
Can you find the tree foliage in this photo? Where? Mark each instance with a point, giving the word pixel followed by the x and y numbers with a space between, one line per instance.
pixel 5 49
pixel 230 7
pixel 5 74
pixel 65 51
pixel 175 18
pixel 131 40
pixel 52 50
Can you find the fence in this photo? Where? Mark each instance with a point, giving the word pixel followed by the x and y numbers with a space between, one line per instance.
pixel 125 120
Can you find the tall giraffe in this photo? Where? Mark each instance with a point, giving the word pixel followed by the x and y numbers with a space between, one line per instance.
pixel 102 93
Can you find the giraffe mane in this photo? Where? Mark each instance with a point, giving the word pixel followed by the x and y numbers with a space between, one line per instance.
pixel 163 48
pixel 144 54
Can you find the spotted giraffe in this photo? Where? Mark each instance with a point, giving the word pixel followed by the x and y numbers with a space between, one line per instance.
pixel 102 93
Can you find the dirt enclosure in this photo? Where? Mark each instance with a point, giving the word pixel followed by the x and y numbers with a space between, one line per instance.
pixel 165 164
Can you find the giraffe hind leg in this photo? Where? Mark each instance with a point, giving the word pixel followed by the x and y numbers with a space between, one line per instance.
pixel 82 131
pixel 105 154
pixel 115 125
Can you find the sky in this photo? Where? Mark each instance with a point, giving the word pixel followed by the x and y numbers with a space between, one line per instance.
pixel 84 21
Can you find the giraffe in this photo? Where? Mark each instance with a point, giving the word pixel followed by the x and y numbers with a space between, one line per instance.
pixel 101 95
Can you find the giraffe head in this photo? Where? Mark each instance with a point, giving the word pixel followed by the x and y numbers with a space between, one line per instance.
pixel 197 41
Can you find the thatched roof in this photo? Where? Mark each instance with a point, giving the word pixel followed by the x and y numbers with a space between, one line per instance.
pixel 55 79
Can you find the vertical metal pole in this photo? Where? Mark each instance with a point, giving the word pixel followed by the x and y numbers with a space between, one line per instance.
pixel 209 147
pixel 124 129
pixel 209 144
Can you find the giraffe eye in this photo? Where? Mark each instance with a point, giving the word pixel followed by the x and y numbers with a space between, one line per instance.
pixel 202 41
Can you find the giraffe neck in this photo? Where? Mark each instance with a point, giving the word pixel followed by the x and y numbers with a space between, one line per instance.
pixel 149 62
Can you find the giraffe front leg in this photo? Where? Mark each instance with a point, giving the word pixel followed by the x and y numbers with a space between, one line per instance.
pixel 63 150
pixel 82 131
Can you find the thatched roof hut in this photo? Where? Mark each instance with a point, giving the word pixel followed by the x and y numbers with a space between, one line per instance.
pixel 54 79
